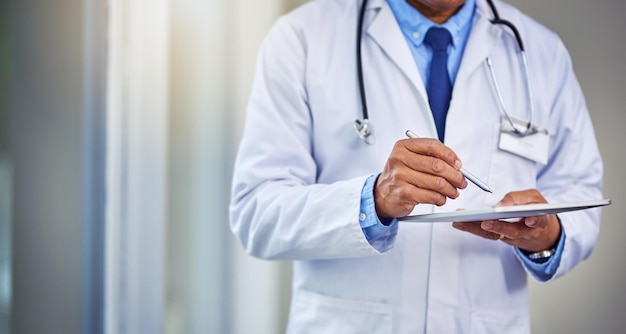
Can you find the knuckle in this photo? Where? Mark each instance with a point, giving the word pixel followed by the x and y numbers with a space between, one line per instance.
pixel 431 146
pixel 437 166
pixel 404 192
pixel 438 199
pixel 396 162
pixel 440 183
pixel 399 175
pixel 393 159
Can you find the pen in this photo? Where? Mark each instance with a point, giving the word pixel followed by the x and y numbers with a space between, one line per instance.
pixel 482 185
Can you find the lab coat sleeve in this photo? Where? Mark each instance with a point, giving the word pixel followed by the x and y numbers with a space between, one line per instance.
pixel 278 209
pixel 574 170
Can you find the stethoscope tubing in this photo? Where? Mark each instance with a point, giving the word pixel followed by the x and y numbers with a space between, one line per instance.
pixel 363 127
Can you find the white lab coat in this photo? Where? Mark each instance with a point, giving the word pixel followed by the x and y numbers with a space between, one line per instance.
pixel 301 168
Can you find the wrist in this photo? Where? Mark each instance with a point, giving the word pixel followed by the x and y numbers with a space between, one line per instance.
pixel 541 256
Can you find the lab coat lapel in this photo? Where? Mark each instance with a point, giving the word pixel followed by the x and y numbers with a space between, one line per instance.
pixel 483 38
pixel 384 30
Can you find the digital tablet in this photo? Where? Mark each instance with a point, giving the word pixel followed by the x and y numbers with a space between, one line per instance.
pixel 509 213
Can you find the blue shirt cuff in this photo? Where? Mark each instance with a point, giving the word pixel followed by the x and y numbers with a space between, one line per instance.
pixel 380 236
pixel 544 270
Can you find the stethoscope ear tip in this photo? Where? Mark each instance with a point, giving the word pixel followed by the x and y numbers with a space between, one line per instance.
pixel 364 130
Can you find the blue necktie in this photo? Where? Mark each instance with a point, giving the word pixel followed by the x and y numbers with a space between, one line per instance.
pixel 439 87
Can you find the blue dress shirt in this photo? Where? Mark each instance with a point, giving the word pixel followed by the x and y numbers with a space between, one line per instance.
pixel 414 26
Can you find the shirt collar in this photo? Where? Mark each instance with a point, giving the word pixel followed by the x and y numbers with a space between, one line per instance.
pixel 415 24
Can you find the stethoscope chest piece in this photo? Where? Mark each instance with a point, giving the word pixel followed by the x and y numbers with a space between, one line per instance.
pixel 365 131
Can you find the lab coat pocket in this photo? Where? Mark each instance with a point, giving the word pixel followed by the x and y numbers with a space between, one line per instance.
pixel 316 313
pixel 492 323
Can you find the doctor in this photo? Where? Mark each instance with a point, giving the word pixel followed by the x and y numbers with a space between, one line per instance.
pixel 307 188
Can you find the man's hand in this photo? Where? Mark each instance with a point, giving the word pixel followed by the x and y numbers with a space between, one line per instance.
pixel 417 171
pixel 531 234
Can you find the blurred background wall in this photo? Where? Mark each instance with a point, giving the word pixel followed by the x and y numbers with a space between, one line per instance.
pixel 49 231
pixel 5 173
pixel 44 129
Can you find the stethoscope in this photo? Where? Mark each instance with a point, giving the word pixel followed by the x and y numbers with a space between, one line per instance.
pixel 364 127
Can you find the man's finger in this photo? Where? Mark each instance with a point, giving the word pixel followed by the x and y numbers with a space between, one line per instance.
pixel 433 148
pixel 474 228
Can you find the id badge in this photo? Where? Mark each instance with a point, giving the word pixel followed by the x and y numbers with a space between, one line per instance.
pixel 534 146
